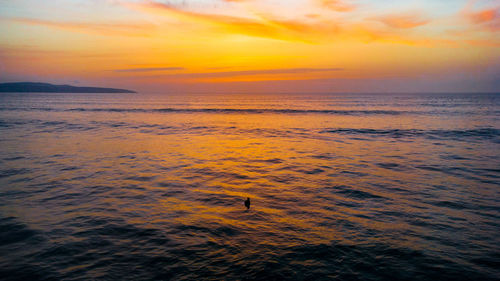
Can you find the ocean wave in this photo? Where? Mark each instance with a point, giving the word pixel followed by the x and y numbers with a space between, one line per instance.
pixel 353 112
pixel 218 110
pixel 243 111
pixel 487 133
pixel 41 126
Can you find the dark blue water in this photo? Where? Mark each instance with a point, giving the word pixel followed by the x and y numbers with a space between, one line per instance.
pixel 342 186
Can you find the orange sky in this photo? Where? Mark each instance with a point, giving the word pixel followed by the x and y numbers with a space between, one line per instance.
pixel 254 45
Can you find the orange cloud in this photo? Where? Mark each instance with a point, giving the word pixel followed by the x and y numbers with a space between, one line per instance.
pixel 120 29
pixel 247 75
pixel 312 30
pixel 149 69
pixel 408 20
pixel 337 5
pixel 489 19
pixel 484 43
pixel 484 15
pixel 273 28
pixel 256 27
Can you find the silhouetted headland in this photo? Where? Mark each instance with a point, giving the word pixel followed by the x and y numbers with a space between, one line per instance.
pixel 33 87
pixel 247 203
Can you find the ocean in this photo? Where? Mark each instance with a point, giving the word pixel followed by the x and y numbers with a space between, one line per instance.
pixel 342 186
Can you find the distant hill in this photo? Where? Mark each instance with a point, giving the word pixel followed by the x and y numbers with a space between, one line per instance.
pixel 32 87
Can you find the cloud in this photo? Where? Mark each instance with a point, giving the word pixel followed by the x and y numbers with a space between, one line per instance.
pixel 484 43
pixel 318 28
pixel 263 27
pixel 309 30
pixel 408 20
pixel 149 69
pixel 108 29
pixel 337 5
pixel 30 52
pixel 259 74
pixel 484 15
pixel 264 71
pixel 488 19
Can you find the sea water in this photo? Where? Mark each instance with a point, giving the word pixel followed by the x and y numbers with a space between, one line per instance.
pixel 342 186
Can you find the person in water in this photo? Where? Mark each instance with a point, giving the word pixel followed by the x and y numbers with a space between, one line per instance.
pixel 247 203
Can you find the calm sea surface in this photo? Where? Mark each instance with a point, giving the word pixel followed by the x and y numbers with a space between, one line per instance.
pixel 347 187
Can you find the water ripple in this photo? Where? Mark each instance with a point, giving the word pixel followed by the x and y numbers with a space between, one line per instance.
pixel 341 187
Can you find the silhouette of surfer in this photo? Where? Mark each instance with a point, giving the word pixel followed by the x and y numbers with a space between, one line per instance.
pixel 247 203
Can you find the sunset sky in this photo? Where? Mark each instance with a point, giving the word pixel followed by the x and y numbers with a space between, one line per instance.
pixel 254 45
